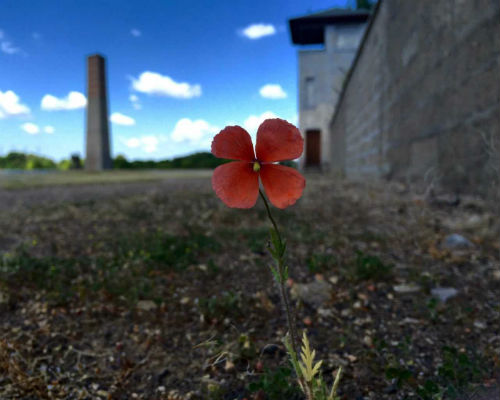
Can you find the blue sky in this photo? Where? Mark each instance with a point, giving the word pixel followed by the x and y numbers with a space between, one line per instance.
pixel 178 71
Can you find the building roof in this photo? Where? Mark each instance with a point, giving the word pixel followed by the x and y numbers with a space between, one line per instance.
pixel 310 29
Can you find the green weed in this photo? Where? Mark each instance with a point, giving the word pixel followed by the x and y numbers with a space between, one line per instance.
pixel 277 384
pixel 51 274
pixel 226 305
pixel 368 267
pixel 130 271
pixel 165 250
pixel 457 373
pixel 256 238
pixel 317 263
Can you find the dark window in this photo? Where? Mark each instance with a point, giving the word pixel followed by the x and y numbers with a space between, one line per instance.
pixel 309 93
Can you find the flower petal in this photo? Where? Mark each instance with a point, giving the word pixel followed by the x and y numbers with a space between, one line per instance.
pixel 236 184
pixel 283 185
pixel 278 140
pixel 234 143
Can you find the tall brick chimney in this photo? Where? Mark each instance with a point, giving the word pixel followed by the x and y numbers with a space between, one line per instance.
pixel 98 152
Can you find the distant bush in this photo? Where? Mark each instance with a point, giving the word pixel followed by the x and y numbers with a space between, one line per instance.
pixel 196 160
pixel 64 165
pixel 15 160
pixel 36 162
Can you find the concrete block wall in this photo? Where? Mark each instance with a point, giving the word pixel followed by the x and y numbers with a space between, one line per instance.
pixel 422 102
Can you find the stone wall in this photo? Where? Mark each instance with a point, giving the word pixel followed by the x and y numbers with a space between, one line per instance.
pixel 422 101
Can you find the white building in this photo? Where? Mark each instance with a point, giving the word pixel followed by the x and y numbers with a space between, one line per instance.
pixel 332 38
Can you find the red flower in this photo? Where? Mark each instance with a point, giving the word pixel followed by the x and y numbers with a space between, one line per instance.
pixel 237 183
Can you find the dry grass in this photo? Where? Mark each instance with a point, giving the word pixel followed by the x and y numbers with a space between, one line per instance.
pixel 23 180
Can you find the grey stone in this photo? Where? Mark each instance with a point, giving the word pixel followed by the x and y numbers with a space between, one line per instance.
pixel 409 321
pixel 146 305
pixel 406 288
pixel 314 294
pixel 479 325
pixel 456 242
pixel 444 293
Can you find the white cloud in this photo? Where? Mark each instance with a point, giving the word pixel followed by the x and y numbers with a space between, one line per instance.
pixel 120 119
pixel 135 32
pixel 10 105
pixel 252 123
pixel 6 46
pixel 49 129
pixel 135 102
pixel 157 84
pixel 195 132
pixel 272 91
pixel 148 143
pixel 73 101
pixel 133 142
pixel 30 128
pixel 257 31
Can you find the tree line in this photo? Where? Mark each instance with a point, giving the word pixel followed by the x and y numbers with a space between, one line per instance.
pixel 201 160
pixel 23 161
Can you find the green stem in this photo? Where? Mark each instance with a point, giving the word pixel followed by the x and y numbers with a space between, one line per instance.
pixel 290 316
pixel 270 215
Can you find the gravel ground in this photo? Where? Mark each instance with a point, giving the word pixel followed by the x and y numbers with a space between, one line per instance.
pixel 156 290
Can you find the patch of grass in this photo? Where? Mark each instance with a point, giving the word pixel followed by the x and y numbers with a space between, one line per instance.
pixel 306 232
pixel 368 267
pixel 213 268
pixel 50 274
pixel 27 180
pixel 128 282
pixel 226 305
pixel 432 308
pixel 256 238
pixel 215 392
pixel 246 347
pixel 277 385
pixel 368 236
pixel 165 251
pixel 457 374
pixel 136 272
pixel 132 271
pixel 400 374
pixel 320 263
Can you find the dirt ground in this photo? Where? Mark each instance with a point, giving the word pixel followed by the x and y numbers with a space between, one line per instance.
pixel 156 290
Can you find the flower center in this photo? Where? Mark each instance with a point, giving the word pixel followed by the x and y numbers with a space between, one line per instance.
pixel 256 166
